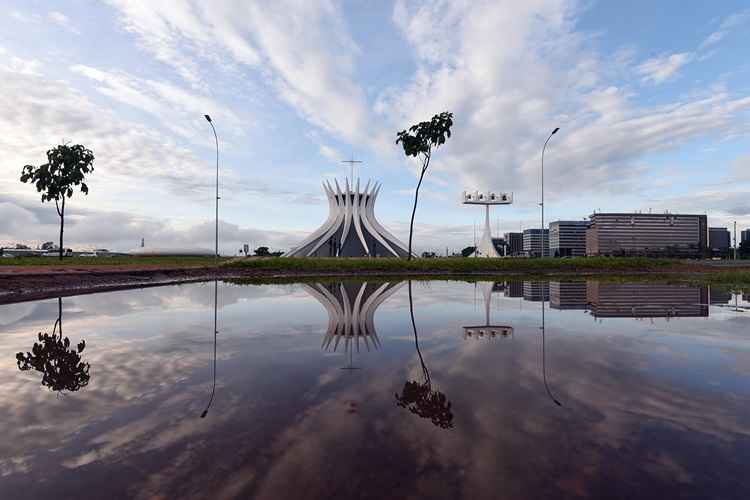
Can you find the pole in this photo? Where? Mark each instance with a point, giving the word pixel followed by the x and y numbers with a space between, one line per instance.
pixel 216 138
pixel 735 240
pixel 542 203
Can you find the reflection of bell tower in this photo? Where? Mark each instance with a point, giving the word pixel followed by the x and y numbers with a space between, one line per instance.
pixel 488 330
pixel 351 309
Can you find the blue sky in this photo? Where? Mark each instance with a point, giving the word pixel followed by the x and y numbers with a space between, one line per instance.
pixel 653 101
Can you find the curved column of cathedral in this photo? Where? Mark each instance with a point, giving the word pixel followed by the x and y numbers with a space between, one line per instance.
pixel 351 229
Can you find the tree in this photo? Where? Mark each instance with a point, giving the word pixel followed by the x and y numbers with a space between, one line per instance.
pixel 467 251
pixel 418 141
pixel 65 169
pixel 262 252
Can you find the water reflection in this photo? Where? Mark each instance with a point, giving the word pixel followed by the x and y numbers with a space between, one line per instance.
pixel 351 309
pixel 419 397
pixel 60 365
pixel 216 333
pixel 651 409
pixel 488 329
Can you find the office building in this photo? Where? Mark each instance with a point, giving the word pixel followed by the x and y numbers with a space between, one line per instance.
pixel 664 235
pixel 745 236
pixel 719 241
pixel 514 244
pixel 532 242
pixel 568 238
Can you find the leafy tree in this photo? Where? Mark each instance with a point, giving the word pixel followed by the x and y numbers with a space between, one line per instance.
pixel 467 251
pixel 418 141
pixel 262 252
pixel 65 169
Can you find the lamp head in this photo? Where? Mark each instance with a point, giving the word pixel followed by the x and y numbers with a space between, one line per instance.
pixel 208 118
pixel 553 132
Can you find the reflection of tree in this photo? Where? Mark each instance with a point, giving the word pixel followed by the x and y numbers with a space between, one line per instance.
pixel 60 365
pixel 419 397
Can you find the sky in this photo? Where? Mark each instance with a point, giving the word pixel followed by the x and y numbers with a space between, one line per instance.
pixel 652 100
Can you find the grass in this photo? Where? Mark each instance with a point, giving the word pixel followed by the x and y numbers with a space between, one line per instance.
pixel 166 261
pixel 450 265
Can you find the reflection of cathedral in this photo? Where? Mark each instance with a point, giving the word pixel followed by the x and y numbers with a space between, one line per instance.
pixel 351 308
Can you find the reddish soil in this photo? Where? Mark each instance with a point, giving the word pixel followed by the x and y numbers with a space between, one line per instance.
pixel 24 283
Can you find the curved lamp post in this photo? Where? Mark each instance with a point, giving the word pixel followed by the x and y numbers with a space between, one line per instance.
pixel 542 203
pixel 208 119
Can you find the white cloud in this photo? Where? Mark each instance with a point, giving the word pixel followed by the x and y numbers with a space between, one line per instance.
pixel 63 21
pixel 726 26
pixel 511 72
pixel 303 49
pixel 663 68
pixel 26 220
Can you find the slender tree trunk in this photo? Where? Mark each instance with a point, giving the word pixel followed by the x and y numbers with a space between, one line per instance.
pixel 62 225
pixel 416 198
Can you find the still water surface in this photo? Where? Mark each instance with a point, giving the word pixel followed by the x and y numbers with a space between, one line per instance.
pixel 495 390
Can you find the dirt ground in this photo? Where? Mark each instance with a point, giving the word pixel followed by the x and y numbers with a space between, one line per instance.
pixel 24 283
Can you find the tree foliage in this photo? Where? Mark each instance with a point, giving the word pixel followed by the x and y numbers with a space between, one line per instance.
pixel 66 168
pixel 467 251
pixel 418 141
pixel 60 365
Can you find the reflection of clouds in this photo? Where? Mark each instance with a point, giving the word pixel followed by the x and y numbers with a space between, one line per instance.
pixel 646 406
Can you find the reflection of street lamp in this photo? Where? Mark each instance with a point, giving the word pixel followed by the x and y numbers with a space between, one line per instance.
pixel 544 355
pixel 216 331
pixel 208 118
pixel 542 203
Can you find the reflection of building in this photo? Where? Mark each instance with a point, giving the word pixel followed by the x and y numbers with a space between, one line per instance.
pixel 514 244
pixel 718 296
pixel 514 288
pixel 719 241
pixel 646 300
pixel 532 242
pixel 568 295
pixel 351 229
pixel 646 234
pixel 488 330
pixel 536 291
pixel 568 238
pixel 351 309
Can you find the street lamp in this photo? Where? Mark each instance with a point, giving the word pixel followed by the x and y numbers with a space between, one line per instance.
pixel 542 203
pixel 208 119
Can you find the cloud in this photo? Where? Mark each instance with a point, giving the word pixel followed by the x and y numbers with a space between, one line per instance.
pixel 663 68
pixel 726 26
pixel 26 220
pixel 63 21
pixel 511 72
pixel 303 50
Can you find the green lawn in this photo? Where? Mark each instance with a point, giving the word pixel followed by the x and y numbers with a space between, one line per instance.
pixel 451 265
pixel 169 261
